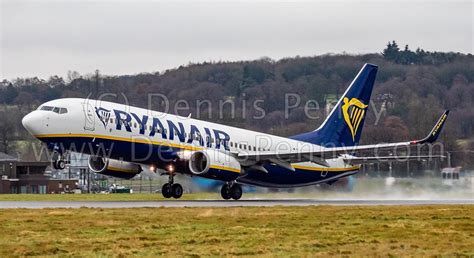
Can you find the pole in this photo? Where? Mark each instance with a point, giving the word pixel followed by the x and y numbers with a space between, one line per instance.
pixel 449 159
pixel 390 169
pixel 141 183
pixel 408 168
pixel 88 181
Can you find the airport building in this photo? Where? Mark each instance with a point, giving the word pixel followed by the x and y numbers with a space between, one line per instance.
pixel 18 176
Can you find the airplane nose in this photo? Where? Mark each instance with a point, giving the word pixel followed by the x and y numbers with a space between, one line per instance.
pixel 32 122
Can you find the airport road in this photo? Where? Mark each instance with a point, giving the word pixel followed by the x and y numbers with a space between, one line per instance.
pixel 221 203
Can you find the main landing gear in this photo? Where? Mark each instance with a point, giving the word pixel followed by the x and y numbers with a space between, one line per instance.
pixel 231 190
pixel 171 189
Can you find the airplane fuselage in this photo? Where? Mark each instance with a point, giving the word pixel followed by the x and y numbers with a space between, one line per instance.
pixel 153 138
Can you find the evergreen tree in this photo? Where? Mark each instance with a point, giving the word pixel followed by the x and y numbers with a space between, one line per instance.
pixel 391 52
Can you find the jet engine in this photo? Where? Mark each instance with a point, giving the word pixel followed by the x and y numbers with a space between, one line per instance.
pixel 214 164
pixel 112 167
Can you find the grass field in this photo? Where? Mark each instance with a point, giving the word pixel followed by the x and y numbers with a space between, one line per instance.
pixel 101 197
pixel 152 197
pixel 300 231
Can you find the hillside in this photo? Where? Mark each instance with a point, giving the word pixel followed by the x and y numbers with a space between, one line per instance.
pixel 411 90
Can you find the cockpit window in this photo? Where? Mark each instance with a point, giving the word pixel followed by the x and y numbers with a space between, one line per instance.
pixel 58 110
pixel 47 108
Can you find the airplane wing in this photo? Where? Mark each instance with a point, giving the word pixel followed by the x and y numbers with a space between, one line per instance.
pixel 319 155
pixel 375 159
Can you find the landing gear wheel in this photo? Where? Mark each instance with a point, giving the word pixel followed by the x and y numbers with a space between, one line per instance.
pixel 57 161
pixel 225 192
pixel 235 191
pixel 166 190
pixel 176 191
pixel 60 164
pixel 54 164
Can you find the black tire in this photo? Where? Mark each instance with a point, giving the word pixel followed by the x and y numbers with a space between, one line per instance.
pixel 54 164
pixel 166 190
pixel 60 164
pixel 236 191
pixel 225 192
pixel 176 191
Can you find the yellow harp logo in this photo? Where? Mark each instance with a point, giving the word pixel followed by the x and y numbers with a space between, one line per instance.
pixel 353 111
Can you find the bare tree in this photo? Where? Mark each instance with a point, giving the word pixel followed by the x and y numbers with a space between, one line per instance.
pixel 7 128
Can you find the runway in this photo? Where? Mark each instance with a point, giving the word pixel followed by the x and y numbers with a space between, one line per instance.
pixel 222 203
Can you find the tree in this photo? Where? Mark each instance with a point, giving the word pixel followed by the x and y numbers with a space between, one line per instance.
pixel 55 81
pixel 8 128
pixel 9 94
pixel 73 75
pixel 391 51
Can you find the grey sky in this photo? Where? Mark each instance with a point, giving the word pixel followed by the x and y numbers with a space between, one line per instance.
pixel 42 38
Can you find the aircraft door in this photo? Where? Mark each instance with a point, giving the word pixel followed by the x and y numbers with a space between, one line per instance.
pixel 89 117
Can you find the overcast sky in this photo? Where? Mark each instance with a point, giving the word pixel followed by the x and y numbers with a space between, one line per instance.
pixel 43 38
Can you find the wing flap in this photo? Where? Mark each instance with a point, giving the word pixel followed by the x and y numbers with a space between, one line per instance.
pixel 377 159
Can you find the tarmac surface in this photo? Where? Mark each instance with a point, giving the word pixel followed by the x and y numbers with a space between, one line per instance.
pixel 222 203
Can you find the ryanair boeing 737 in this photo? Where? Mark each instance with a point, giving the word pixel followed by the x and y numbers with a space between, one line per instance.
pixel 120 139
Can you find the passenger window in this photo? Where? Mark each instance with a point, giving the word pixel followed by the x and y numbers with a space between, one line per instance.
pixel 254 148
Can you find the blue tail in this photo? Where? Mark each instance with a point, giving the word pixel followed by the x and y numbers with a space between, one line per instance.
pixel 344 124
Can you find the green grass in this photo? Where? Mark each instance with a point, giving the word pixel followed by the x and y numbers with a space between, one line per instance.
pixel 150 197
pixel 282 231
pixel 100 197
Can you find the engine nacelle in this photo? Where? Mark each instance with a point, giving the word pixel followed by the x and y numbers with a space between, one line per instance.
pixel 113 167
pixel 214 164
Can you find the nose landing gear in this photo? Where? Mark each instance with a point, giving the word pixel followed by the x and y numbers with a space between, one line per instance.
pixel 58 161
pixel 231 190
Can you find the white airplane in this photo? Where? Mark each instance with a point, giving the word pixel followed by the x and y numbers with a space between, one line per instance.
pixel 121 139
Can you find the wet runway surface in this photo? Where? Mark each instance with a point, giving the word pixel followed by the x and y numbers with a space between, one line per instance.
pixel 221 203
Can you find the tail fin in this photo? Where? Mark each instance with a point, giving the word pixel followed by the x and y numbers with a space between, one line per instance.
pixel 344 124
